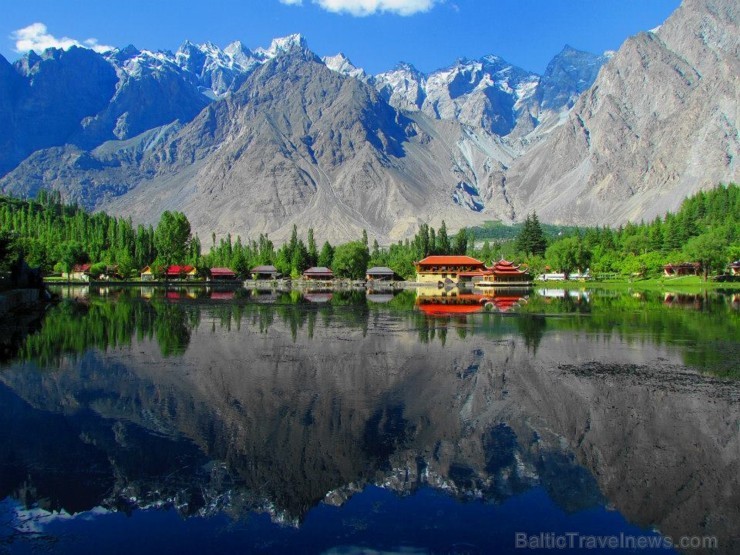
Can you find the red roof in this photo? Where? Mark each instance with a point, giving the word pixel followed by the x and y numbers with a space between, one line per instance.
pixel 504 304
pixel 442 309
pixel 177 270
pixel 222 272
pixel 438 260
pixel 506 267
pixel 77 268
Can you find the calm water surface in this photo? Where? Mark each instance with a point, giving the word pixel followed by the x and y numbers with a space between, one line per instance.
pixel 145 420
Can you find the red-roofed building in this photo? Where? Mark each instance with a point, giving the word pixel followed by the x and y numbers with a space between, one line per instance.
pixel 434 269
pixel 505 273
pixel 683 269
pixel 222 274
pixel 79 272
pixel 180 272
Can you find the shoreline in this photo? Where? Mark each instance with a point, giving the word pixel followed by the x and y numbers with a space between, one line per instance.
pixel 654 284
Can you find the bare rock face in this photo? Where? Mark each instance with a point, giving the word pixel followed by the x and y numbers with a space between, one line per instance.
pixel 488 93
pixel 659 123
pixel 45 98
pixel 298 143
pixel 248 142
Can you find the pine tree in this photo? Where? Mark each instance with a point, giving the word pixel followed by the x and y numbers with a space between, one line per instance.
pixel 443 240
pixel 313 255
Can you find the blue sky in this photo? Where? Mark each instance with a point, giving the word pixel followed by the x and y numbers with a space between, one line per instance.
pixel 427 33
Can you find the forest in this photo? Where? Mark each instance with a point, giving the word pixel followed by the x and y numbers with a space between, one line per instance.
pixel 55 236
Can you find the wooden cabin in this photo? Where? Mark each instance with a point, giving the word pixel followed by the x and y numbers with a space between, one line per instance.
pixel 320 273
pixel 264 272
pixel 683 269
pixel 147 274
pixel 181 272
pixel 222 274
pixel 79 272
pixel 380 273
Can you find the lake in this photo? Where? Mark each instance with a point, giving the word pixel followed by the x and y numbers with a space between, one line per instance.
pixel 198 420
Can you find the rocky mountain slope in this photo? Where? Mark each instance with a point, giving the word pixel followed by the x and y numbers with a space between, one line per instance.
pixel 318 148
pixel 250 142
pixel 658 124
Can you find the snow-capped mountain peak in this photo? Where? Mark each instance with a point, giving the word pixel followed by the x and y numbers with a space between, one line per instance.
pixel 342 64
pixel 283 45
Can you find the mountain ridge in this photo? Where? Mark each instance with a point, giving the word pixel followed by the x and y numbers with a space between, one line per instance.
pixel 248 142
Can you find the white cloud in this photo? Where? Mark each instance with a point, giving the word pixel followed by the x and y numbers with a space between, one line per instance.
pixel 362 8
pixel 36 37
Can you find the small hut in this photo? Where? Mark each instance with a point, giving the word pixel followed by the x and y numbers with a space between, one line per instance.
pixel 264 272
pixel 147 274
pixel 181 272
pixel 222 274
pixel 80 272
pixel 319 273
pixel 380 273
pixel 683 269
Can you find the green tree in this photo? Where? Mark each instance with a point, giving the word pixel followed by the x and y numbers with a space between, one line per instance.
pixel 299 261
pixel 350 260
pixel 531 239
pixel 172 237
pixel 709 251
pixel 71 254
pixel 313 255
pixel 443 240
pixel 568 254
pixel 461 242
pixel 326 257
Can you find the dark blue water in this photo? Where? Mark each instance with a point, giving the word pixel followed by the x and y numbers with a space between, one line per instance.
pixel 427 521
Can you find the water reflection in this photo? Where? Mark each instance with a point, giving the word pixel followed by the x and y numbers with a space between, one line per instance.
pixel 273 403
pixel 434 301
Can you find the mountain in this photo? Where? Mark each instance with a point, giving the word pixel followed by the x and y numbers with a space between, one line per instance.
pixel 486 93
pixel 252 141
pixel 317 147
pixel 46 99
pixel 658 124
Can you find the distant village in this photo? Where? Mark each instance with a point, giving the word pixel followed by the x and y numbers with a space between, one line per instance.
pixel 441 270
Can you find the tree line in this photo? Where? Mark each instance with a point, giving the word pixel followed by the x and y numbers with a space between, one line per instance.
pixel 56 236
pixel 705 229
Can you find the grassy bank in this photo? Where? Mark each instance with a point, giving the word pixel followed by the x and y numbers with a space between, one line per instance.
pixel 683 283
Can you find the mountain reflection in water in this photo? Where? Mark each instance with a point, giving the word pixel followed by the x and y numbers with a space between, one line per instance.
pixel 293 406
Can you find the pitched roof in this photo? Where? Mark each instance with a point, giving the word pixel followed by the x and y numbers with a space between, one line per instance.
pixel 318 270
pixel 380 270
pixel 264 270
pixel 438 260
pixel 81 268
pixel 174 269
pixel 506 267
pixel 222 272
